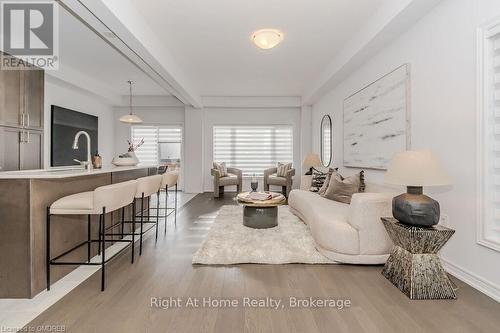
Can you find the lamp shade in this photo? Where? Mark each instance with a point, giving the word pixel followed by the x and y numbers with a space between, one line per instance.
pixel 311 160
pixel 416 168
pixel 131 119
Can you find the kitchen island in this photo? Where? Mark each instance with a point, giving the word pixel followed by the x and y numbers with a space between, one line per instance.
pixel 24 198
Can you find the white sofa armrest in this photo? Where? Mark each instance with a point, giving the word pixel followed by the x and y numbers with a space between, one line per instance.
pixel 365 212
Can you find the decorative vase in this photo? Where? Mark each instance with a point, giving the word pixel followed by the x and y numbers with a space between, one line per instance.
pixel 128 159
pixel 415 208
pixel 254 185
pixel 97 161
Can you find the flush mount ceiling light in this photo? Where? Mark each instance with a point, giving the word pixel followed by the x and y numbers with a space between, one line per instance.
pixel 130 118
pixel 267 38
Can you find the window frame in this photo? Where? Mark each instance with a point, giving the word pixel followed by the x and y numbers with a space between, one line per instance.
pixel 485 92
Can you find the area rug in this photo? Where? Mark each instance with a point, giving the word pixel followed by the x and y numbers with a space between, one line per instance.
pixel 230 242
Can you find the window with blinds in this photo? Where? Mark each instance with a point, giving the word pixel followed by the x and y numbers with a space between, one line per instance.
pixel 162 145
pixel 489 140
pixel 253 148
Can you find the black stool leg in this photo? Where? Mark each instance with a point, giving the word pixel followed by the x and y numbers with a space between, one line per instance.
pixel 142 221
pixel 157 213
pixel 48 248
pixel 149 208
pixel 101 231
pixel 133 229
pixel 175 208
pixel 99 243
pixel 88 238
pixel 166 207
pixel 123 221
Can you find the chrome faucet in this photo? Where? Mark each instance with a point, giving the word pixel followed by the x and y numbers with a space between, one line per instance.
pixel 88 163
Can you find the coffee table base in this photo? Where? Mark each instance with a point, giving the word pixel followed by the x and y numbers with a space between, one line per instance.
pixel 260 217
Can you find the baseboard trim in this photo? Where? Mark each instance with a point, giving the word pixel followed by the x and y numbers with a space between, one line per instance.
pixel 490 289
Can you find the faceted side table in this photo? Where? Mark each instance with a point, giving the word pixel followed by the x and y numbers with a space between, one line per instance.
pixel 414 266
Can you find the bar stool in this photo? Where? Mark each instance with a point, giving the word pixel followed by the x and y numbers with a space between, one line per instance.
pixel 102 200
pixel 169 179
pixel 147 186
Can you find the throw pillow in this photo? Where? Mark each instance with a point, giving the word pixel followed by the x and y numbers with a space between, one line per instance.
pixel 317 181
pixel 341 189
pixel 221 167
pixel 320 180
pixel 283 168
pixel 331 172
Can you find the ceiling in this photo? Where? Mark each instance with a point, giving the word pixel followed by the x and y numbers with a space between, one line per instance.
pixel 83 51
pixel 210 40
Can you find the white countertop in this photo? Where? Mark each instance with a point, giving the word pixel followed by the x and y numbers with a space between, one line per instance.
pixel 66 172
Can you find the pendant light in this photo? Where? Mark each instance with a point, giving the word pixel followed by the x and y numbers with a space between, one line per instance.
pixel 130 118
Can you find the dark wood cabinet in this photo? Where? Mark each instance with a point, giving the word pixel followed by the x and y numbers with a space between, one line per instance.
pixel 21 119
pixel 31 151
pixel 20 149
pixel 33 90
pixel 10 148
pixel 10 98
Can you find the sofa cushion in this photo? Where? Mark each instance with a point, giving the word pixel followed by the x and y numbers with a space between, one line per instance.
pixel 328 221
pixel 307 203
pixel 333 234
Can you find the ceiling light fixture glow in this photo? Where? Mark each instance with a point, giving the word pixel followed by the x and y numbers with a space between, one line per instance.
pixel 267 38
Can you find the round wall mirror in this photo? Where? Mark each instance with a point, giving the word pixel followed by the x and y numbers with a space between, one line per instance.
pixel 326 140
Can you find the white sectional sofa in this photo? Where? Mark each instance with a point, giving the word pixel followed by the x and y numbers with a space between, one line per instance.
pixel 347 233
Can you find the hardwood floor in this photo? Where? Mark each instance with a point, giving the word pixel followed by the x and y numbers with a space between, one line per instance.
pixel 165 270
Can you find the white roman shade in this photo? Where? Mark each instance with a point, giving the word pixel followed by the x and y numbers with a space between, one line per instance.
pixel 253 148
pixel 148 153
pixel 489 139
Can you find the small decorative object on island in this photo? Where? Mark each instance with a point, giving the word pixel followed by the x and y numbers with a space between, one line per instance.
pixel 416 169
pixel 254 184
pixel 129 158
pixel 97 161
pixel 310 162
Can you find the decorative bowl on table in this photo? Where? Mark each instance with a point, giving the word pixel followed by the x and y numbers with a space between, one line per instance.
pixel 128 159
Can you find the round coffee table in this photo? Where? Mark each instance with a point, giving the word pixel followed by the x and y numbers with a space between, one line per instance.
pixel 260 214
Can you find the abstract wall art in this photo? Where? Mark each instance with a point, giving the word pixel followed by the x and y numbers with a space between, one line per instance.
pixel 377 121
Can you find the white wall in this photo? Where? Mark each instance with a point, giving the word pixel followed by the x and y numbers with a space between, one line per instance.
pixel 68 96
pixel 249 116
pixel 194 144
pixel 441 50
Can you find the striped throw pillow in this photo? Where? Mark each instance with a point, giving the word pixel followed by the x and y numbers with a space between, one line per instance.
pixel 221 167
pixel 283 168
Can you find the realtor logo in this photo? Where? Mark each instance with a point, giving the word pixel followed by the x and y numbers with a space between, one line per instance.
pixel 29 33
